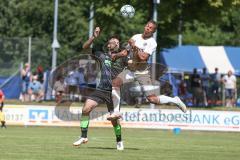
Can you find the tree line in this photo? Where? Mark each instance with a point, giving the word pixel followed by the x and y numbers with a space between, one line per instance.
pixel 201 22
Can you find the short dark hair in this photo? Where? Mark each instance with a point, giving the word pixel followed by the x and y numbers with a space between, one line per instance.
pixel 115 37
pixel 153 22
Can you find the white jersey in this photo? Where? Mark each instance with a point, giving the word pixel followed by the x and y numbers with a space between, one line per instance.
pixel 148 46
pixel 229 81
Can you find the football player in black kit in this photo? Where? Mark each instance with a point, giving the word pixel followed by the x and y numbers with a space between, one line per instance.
pixel 111 64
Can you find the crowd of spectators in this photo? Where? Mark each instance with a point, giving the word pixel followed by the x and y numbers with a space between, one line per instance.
pixel 73 83
pixel 204 89
pixel 32 84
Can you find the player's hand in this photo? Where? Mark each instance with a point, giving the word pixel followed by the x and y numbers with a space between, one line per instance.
pixel 131 42
pixel 130 61
pixel 113 57
pixel 96 32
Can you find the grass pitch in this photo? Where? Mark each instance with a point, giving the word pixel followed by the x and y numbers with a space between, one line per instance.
pixel 55 143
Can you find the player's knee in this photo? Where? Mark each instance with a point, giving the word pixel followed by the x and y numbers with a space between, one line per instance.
pixel 114 122
pixel 86 110
pixel 152 99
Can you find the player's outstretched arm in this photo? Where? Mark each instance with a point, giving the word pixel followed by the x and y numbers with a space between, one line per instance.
pixel 89 42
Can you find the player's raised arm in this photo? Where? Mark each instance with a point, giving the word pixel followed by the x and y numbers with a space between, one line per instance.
pixel 89 42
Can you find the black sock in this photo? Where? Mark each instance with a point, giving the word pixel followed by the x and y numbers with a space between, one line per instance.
pixel 84 132
pixel 84 125
pixel 118 138
pixel 3 124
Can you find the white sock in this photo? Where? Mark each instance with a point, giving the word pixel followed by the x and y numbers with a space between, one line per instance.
pixel 116 99
pixel 165 99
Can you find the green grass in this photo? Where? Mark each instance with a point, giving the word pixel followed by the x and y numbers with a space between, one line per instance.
pixel 55 143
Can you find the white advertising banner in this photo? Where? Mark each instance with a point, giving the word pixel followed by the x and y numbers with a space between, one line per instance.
pixel 15 114
pixel 132 118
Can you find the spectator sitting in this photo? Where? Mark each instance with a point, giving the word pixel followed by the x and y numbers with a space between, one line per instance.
pixel 35 89
pixel 183 92
pixel 59 88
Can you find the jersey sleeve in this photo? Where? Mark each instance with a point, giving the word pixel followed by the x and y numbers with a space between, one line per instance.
pixel 234 79
pixel 98 55
pixel 134 37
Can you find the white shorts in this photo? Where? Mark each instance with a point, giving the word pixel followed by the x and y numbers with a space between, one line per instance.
pixel 144 79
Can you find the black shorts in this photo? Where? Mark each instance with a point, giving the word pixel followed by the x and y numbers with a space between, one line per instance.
pixel 102 97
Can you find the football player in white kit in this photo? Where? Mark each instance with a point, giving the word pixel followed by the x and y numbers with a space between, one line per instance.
pixel 141 47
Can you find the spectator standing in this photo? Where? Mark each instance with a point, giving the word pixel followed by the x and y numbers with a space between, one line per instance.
pixel 59 88
pixel 26 77
pixel 91 75
pixel 230 87
pixel 71 82
pixel 196 88
pixel 205 78
pixel 82 84
pixel 216 81
pixel 40 74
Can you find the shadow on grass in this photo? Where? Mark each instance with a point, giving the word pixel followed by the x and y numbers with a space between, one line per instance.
pixel 111 148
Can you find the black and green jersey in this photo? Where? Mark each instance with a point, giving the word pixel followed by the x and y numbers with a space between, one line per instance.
pixel 109 69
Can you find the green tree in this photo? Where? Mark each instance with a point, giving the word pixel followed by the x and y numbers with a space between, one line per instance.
pixel 205 22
